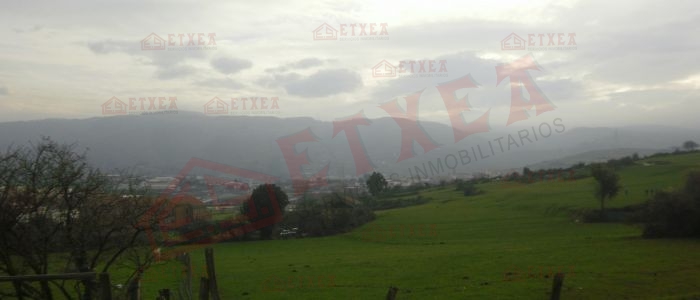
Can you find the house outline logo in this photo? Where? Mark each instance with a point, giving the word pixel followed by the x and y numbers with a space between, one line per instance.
pixel 114 106
pixel 157 42
pixel 216 106
pixel 330 33
pixel 519 43
pixel 388 70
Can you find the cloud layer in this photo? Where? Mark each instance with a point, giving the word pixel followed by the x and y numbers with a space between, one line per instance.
pixel 635 62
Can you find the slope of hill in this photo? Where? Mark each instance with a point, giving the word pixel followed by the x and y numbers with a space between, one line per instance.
pixel 472 247
pixel 592 156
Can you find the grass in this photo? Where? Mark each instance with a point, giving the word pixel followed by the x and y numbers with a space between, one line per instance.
pixel 510 228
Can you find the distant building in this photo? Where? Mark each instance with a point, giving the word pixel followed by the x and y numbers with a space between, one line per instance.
pixel 160 183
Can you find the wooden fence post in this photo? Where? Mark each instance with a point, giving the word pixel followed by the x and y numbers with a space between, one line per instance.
pixel 164 294
pixel 105 287
pixel 133 290
pixel 18 289
pixel 203 288
pixel 556 286
pixel 211 273
pixel 391 295
pixel 188 275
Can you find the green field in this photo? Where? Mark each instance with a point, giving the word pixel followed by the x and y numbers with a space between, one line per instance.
pixel 510 228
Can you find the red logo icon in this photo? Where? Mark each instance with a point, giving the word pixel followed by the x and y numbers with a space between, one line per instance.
pixel 114 106
pixel 383 69
pixel 325 33
pixel 513 42
pixel 216 106
pixel 153 42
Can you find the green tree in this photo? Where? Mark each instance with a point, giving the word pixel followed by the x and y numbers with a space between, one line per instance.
pixel 608 184
pixel 690 145
pixel 267 199
pixel 376 183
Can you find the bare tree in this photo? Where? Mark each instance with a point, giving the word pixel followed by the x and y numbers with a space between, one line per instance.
pixel 58 214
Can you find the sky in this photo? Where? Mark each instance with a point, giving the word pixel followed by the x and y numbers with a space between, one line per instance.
pixel 633 62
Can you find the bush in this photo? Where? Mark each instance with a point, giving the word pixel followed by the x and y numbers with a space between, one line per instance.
pixel 327 216
pixel 589 216
pixel 628 214
pixel 470 189
pixel 674 213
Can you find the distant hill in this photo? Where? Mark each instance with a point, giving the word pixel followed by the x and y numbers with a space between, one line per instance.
pixel 162 144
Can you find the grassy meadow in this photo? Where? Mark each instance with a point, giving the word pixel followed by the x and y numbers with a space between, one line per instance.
pixel 471 248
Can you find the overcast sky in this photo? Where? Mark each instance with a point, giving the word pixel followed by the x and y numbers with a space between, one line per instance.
pixel 634 62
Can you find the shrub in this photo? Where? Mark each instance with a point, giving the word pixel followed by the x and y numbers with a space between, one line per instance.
pixel 671 214
pixel 327 216
pixel 470 189
pixel 674 213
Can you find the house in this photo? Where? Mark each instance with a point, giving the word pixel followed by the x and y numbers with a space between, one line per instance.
pixel 183 210
pixel 160 183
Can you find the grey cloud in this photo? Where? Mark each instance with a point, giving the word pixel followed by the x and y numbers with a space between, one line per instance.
pixel 301 64
pixel 325 83
pixel 4 90
pixel 172 58
pixel 487 95
pixel 278 80
pixel 458 65
pixel 656 98
pixel 561 90
pixel 161 58
pixel 31 29
pixel 173 72
pixel 169 64
pixel 109 46
pixel 629 49
pixel 220 83
pixel 227 65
